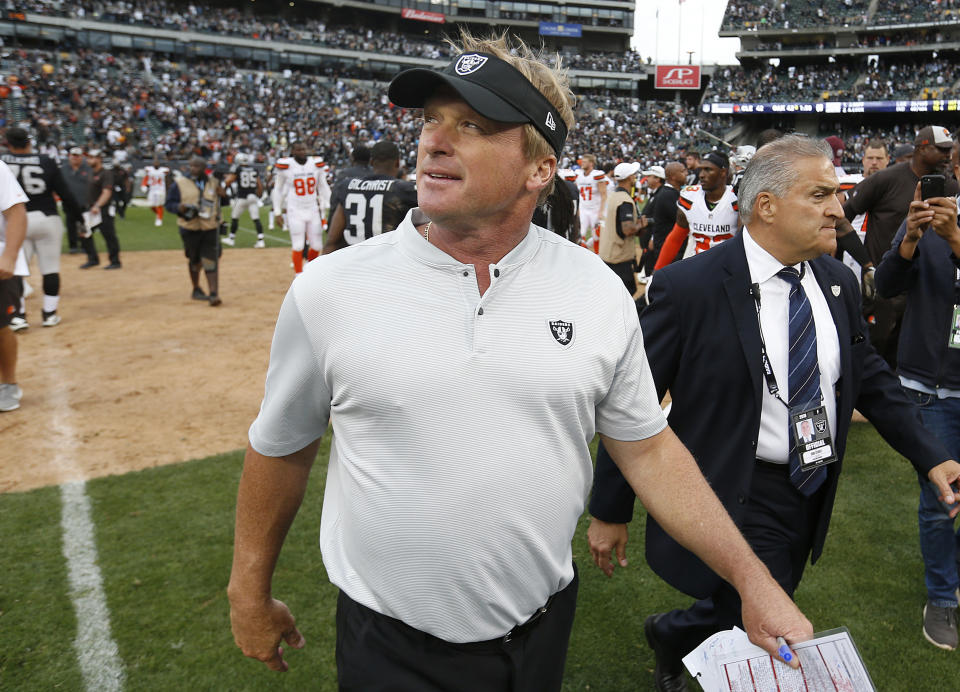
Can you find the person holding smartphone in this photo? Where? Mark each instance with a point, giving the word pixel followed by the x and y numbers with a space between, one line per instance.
pixel 922 264
pixel 885 197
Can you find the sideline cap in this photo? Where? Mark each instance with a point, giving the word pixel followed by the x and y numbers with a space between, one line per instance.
pixel 656 171
pixel 935 135
pixel 492 87
pixel 76 151
pixel 625 170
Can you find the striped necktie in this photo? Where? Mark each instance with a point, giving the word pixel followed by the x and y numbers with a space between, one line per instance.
pixel 804 380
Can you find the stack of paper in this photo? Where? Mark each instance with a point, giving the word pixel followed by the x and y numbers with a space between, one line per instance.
pixel 728 662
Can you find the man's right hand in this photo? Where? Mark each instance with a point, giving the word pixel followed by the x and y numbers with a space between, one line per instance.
pixel 278 218
pixel 605 539
pixel 258 629
pixel 919 217
pixel 768 613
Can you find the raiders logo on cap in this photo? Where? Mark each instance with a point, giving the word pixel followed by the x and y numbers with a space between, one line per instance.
pixel 470 63
pixel 562 332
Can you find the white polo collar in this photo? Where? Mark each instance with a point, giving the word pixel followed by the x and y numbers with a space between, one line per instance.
pixel 413 243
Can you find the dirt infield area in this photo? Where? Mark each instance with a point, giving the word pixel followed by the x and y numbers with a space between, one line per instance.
pixel 138 374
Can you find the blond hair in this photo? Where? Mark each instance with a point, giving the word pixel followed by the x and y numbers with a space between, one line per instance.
pixel 550 81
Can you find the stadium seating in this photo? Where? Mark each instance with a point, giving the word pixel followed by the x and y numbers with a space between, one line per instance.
pixel 884 80
pixel 742 15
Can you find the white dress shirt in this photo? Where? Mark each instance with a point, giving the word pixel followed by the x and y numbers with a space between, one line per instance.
pixel 774 442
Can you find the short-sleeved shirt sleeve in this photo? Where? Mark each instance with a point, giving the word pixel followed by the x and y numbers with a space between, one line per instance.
pixel 631 409
pixel 625 213
pixel 296 400
pixel 10 194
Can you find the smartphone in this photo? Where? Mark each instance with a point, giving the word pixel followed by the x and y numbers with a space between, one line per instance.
pixel 931 186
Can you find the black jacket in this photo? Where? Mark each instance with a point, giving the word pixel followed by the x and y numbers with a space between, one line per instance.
pixel 703 344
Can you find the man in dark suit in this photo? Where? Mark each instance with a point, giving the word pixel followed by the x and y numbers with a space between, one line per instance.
pixel 737 334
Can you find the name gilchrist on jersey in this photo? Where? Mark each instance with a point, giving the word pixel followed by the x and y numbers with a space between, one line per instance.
pixel 708 226
pixel 376 204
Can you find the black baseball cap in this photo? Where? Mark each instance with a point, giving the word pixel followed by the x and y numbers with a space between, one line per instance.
pixel 717 158
pixel 492 87
pixel 17 137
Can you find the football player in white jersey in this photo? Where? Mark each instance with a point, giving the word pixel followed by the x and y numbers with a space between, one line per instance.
pixel 875 158
pixel 592 184
pixel 299 187
pixel 154 183
pixel 707 213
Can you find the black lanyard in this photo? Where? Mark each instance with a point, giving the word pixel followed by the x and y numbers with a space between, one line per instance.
pixel 768 375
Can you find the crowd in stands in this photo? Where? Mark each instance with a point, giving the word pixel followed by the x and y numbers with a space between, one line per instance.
pixel 150 104
pixel 781 83
pixel 925 79
pixel 878 80
pixel 179 108
pixel 787 14
pixel 314 30
pixel 916 11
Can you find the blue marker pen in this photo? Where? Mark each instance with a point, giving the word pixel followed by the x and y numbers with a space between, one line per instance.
pixel 784 650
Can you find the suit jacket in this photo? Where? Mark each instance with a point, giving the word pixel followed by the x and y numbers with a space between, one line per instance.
pixel 703 343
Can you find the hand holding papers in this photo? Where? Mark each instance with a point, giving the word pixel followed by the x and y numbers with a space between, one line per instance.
pixel 91 219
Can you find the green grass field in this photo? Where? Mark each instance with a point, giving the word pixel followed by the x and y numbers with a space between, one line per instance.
pixel 164 538
pixel 137 232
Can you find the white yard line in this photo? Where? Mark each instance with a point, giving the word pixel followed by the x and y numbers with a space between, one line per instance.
pixel 280 239
pixel 97 653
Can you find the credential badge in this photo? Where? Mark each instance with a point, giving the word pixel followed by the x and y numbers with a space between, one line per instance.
pixel 562 332
pixel 551 123
pixel 835 290
pixel 469 63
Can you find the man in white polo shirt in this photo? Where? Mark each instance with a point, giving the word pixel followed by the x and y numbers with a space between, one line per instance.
pixel 463 402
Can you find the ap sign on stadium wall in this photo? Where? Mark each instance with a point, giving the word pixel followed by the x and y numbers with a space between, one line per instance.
pixel 678 77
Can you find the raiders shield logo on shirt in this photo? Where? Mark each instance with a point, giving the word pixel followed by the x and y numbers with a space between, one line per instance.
pixel 562 332
pixel 469 63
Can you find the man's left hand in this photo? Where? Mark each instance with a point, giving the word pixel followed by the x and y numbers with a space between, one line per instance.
pixel 946 477
pixel 768 613
pixel 608 545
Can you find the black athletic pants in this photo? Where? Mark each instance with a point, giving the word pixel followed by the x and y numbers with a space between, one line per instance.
pixel 779 527
pixel 626 272
pixel 109 232
pixel 376 653
pixel 73 221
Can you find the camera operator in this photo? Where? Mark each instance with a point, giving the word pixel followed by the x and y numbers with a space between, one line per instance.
pixel 195 199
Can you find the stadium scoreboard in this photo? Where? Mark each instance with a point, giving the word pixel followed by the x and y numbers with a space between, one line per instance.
pixel 835 107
